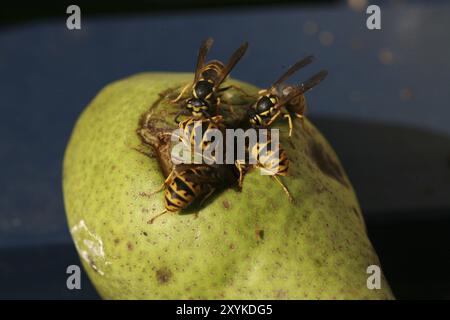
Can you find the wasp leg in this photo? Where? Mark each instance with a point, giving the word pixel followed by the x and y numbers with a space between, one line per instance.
pixel 285 189
pixel 151 193
pixel 157 216
pixel 274 117
pixel 285 115
pixel 289 118
pixel 217 105
pixel 217 119
pixel 302 120
pixel 178 98
pixel 238 165
pixel 161 187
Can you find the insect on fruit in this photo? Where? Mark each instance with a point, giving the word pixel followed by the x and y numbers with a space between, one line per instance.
pixel 204 99
pixel 271 159
pixel 187 184
pixel 269 104
pixel 196 135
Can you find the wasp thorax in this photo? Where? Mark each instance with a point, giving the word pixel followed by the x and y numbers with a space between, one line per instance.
pixel 203 89
pixel 264 104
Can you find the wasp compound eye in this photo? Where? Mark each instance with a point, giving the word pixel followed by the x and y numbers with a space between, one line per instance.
pixel 252 116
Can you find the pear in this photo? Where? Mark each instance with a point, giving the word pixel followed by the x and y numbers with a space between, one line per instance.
pixel 240 244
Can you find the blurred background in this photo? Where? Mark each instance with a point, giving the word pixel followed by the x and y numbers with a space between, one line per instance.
pixel 384 107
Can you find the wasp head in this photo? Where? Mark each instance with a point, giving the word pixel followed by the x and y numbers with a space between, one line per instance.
pixel 254 118
pixel 198 107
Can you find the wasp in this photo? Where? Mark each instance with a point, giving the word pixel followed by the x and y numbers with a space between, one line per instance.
pixel 271 159
pixel 195 132
pixel 197 135
pixel 187 184
pixel 270 102
pixel 205 89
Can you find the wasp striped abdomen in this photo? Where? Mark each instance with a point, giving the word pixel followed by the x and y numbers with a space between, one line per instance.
pixel 271 159
pixel 197 135
pixel 180 192
pixel 187 184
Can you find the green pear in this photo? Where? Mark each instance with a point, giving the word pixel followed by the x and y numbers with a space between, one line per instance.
pixel 248 244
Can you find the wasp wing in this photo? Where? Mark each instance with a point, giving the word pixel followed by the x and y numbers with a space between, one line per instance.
pixel 204 174
pixel 237 55
pixel 314 80
pixel 202 52
pixel 294 68
pixel 302 88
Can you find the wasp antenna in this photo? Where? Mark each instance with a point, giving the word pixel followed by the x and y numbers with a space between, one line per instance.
pixel 285 189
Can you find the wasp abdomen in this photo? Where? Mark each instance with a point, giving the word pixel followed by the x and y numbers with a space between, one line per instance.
pixel 272 159
pixel 212 70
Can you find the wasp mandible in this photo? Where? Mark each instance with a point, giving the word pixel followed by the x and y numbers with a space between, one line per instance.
pixel 205 89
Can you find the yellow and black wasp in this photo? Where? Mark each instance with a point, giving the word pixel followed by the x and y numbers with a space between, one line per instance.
pixel 270 158
pixel 270 102
pixel 205 89
pixel 189 183
pixel 197 136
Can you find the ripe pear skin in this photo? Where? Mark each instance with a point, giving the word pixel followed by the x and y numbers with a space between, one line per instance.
pixel 249 244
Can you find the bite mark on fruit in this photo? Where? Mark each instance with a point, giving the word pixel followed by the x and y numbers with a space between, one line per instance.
pixel 326 163
pixel 156 137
